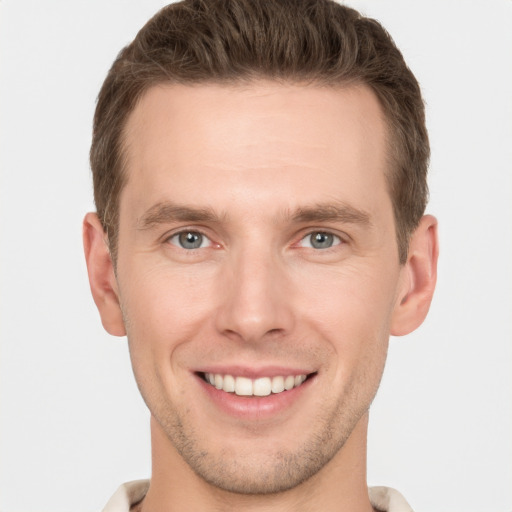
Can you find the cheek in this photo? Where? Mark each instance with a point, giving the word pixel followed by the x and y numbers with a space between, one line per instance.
pixel 351 308
pixel 163 309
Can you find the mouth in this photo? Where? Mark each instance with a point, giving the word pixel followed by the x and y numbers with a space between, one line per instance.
pixel 258 387
pixel 257 394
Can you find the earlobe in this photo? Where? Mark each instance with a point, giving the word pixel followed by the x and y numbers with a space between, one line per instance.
pixel 419 276
pixel 101 275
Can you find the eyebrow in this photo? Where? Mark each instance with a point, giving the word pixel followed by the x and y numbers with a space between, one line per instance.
pixel 332 212
pixel 167 212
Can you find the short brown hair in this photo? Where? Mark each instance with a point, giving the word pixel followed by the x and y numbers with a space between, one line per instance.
pixel 230 41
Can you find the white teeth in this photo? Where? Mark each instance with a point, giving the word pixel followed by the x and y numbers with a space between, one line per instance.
pixel 277 384
pixel 299 379
pixel 243 386
pixel 229 384
pixel 262 386
pixel 289 382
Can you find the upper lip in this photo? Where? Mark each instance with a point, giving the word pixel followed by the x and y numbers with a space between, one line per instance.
pixel 255 372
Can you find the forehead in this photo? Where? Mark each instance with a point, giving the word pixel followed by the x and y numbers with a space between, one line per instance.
pixel 211 140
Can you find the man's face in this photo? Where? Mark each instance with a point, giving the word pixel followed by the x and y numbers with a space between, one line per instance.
pixel 257 248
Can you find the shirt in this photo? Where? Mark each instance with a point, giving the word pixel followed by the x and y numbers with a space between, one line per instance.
pixel 384 499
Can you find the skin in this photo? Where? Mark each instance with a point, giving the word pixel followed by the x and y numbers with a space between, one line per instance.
pixel 266 162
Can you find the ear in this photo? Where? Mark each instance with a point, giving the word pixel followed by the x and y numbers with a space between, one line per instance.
pixel 101 275
pixel 419 275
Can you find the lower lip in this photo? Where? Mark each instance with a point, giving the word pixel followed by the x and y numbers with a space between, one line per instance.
pixel 254 407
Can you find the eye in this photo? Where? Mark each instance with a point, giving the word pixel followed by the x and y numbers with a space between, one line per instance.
pixel 190 240
pixel 320 240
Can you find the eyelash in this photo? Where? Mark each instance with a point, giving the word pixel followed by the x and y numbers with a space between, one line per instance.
pixel 187 232
pixel 337 239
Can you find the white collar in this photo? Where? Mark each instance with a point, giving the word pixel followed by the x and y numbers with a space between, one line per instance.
pixel 385 499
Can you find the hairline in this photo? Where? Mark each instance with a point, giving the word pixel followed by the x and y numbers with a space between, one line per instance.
pixel 239 82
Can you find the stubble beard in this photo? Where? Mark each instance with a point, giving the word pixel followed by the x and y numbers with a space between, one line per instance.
pixel 260 474
pixel 282 469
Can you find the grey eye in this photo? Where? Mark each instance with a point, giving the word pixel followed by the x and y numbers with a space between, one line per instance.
pixel 189 240
pixel 321 240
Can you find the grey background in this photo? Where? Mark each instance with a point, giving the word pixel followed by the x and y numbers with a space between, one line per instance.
pixel 72 425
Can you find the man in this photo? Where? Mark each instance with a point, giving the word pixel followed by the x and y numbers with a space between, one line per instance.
pixel 260 182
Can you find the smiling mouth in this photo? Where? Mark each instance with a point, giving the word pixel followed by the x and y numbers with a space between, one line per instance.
pixel 262 386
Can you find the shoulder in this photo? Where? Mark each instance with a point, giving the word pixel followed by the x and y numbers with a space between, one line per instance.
pixel 127 495
pixel 387 499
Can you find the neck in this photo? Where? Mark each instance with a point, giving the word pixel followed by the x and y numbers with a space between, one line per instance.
pixel 339 485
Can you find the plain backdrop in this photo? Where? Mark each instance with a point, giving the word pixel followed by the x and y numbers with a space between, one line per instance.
pixel 72 424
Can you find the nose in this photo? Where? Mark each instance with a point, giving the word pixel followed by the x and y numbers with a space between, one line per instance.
pixel 255 293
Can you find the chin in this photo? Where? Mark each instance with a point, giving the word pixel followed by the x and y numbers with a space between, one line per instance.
pixel 260 465
pixel 257 475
